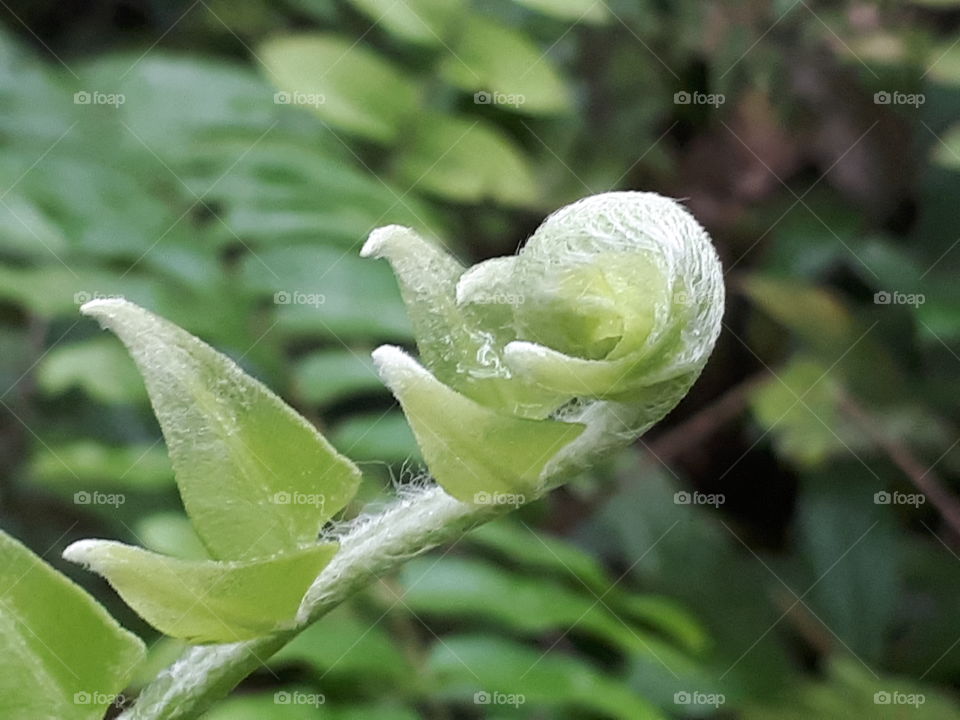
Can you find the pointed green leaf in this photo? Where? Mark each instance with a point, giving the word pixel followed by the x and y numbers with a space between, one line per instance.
pixel 504 68
pixel 62 657
pixel 206 601
pixel 425 22
pixel 466 161
pixel 447 327
pixel 243 459
pixel 474 452
pixel 322 72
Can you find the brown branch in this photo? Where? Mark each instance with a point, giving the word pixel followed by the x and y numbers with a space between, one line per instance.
pixel 923 477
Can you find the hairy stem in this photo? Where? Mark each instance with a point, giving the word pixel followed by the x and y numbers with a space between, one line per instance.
pixel 375 545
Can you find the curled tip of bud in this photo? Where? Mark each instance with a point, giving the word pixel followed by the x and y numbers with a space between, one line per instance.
pixel 379 241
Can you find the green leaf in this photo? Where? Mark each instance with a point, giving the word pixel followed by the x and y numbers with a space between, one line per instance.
pixel 475 453
pixel 171 533
pixel 322 72
pixel 513 73
pixel 346 644
pixel 577 11
pixel 539 551
pixel 206 601
pixel 99 367
pixel 452 346
pixel 330 376
pixel 376 437
pixel 801 408
pixel 63 656
pixel 815 315
pixel 468 664
pixel 26 230
pixel 947 153
pixel 87 464
pixel 323 292
pixel 943 64
pixel 473 590
pixel 465 161
pixel 241 456
pixel 424 22
pixel 303 703
pixel 853 547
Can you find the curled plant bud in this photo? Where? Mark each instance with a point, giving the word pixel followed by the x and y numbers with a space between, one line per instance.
pixel 601 323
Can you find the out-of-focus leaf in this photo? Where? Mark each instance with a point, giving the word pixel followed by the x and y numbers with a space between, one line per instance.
pixel 425 22
pixel 302 703
pixel 156 87
pixel 160 655
pixel 466 665
pixel 98 366
pixel 814 314
pixel 851 690
pixel 25 230
pixel 63 655
pixel 327 292
pixel 800 407
pixel 539 551
pixel 171 533
pixel 345 644
pixel 943 64
pixel 321 72
pixel 578 11
pixel 58 291
pixel 221 423
pixel 329 376
pixel 852 547
pixel 376 436
pixel 206 601
pixel 465 161
pixel 470 589
pixel 506 69
pixel 85 464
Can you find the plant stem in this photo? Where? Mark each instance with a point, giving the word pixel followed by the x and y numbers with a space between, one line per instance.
pixel 372 547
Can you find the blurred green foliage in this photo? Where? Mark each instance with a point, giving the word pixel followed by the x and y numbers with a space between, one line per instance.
pixel 221 164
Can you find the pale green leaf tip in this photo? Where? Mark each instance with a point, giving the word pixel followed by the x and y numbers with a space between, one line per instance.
pixel 84 552
pixel 383 240
pixel 107 310
pixel 396 367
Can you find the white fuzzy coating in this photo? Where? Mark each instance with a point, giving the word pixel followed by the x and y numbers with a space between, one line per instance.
pixel 667 232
